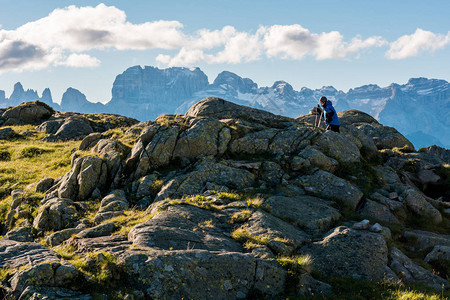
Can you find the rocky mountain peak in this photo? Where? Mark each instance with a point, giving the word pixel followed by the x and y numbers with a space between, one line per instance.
pixel 72 99
pixel 234 82
pixel 47 97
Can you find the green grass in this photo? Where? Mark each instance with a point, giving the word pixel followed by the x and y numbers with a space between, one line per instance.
pixel 128 220
pixel 32 159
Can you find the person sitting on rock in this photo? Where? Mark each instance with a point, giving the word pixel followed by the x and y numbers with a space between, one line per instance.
pixel 331 118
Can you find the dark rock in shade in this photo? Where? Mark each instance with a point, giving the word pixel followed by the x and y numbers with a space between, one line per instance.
pixel 7 133
pixel 419 240
pixel 20 234
pixel 346 252
pixel 310 287
pixel 56 293
pixel 440 152
pixel 44 184
pixel 377 211
pixel 202 274
pixel 415 201
pixel 328 186
pixel 310 213
pixel 411 273
pixel 339 147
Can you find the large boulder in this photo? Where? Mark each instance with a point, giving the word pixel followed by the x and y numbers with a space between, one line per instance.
pixel 386 137
pixel 411 273
pixel 326 185
pixel 352 116
pixel 338 147
pixel 56 214
pixel 310 213
pixel 87 174
pixel 281 237
pixel 201 274
pixel 204 137
pixel 29 113
pixel 419 205
pixel 419 240
pixel 346 252
pixel 7 133
pixel 207 170
pixel 73 128
pixel 33 264
pixel 184 227
pixel 378 212
pixel 365 143
pixel 317 159
pixel 221 109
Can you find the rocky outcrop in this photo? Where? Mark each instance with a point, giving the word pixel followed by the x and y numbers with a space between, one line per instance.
pixel 328 186
pixel 203 274
pixel 27 113
pixel 364 255
pixel 223 202
pixel 310 213
pixel 412 273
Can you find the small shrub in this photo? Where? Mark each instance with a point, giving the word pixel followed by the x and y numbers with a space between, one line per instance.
pixel 242 235
pixel 29 152
pixel 241 216
pixel 5 155
pixel 229 196
pixel 296 264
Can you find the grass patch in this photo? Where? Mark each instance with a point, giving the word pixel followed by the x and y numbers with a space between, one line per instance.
pixel 241 216
pixel 29 152
pixel 296 264
pixel 229 196
pixel 352 289
pixel 242 235
pixel 32 159
pixel 128 220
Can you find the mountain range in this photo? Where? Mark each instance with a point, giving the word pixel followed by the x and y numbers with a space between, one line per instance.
pixel 420 109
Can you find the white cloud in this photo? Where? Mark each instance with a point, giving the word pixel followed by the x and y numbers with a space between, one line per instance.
pixel 66 35
pixel 295 42
pixel 71 30
pixel 80 61
pixel 420 41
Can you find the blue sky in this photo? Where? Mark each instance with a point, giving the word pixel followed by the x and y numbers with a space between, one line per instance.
pixel 306 43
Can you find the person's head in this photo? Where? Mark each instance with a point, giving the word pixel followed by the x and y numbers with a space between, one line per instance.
pixel 323 100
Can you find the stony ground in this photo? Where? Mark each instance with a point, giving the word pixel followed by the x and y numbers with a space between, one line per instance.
pixel 224 202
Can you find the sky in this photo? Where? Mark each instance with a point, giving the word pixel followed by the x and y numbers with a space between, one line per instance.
pixel 344 43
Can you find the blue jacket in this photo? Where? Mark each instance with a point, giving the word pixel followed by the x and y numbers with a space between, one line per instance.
pixel 330 111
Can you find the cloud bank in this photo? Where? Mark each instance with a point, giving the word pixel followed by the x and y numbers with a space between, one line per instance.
pixel 65 36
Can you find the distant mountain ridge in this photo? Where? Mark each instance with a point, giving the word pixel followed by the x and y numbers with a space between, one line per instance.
pixel 419 109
